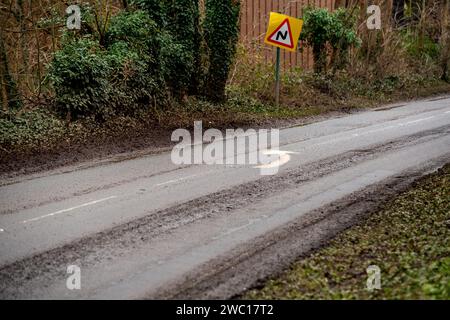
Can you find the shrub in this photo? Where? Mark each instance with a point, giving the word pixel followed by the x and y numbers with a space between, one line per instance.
pixel 174 61
pixel 221 31
pixel 141 56
pixel 183 25
pixel 133 46
pixel 117 79
pixel 343 37
pixel 154 8
pixel 322 28
pixel 79 73
pixel 421 47
pixel 180 42
pixel 135 28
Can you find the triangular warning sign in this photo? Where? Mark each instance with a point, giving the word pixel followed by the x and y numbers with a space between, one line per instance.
pixel 282 35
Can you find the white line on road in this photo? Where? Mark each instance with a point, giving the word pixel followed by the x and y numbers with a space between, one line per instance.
pixel 1 230
pixel 374 130
pixel 176 180
pixel 68 209
pixel 383 128
pixel 191 176
pixel 418 120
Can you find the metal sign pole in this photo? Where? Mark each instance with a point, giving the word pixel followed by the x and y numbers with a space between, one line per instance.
pixel 277 79
pixel 283 32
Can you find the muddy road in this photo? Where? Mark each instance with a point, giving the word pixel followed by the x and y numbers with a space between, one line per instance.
pixel 147 228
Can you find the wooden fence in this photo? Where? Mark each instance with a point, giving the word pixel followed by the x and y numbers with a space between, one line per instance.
pixel 254 19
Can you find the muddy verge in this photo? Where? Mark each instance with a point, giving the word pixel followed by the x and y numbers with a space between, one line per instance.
pixel 251 264
pixel 64 154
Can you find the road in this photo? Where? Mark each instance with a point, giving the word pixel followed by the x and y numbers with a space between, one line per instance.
pixel 146 228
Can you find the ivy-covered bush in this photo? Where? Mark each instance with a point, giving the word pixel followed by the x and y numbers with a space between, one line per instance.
pixel 343 37
pixel 144 55
pixel 80 76
pixel 178 21
pixel 182 23
pixel 154 8
pixel 335 30
pixel 37 128
pixel 118 79
pixel 221 32
pixel 133 44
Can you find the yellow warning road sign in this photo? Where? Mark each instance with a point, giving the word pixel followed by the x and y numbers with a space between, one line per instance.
pixel 283 31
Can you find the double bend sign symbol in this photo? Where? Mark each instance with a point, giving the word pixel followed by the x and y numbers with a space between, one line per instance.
pixel 283 31
pixel 282 35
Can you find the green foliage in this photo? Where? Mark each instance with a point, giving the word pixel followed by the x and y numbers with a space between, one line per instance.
pixel 117 79
pixel 142 55
pixel 336 29
pixel 133 45
pixel 134 28
pixel 180 42
pixel 34 127
pixel 154 8
pixel 422 47
pixel 174 61
pixel 221 31
pixel 79 73
pixel 408 240
pixel 343 37
pixel 182 24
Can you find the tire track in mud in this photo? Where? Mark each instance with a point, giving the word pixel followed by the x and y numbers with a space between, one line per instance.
pixel 44 268
pixel 251 264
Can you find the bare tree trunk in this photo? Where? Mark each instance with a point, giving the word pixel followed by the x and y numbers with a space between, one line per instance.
pixel 445 41
pixel 9 95
pixel 20 17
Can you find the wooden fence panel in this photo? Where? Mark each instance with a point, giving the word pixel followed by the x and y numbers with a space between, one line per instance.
pixel 254 19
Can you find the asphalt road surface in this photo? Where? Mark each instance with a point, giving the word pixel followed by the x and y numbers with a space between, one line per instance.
pixel 146 228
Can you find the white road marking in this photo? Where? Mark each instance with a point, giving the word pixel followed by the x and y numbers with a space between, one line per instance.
pixel 415 121
pixel 69 209
pixel 362 133
pixel 331 141
pixel 176 180
pixel 283 158
pixel 1 230
pixel 375 130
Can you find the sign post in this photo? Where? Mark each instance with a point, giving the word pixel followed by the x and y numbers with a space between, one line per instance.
pixel 277 78
pixel 283 32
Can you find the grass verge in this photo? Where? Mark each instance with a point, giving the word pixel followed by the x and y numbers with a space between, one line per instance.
pixel 409 241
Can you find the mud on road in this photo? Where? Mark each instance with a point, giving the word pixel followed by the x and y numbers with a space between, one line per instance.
pixel 154 140
pixel 228 275
pixel 252 264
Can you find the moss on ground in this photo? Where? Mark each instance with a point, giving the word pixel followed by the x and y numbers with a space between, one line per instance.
pixel 409 241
